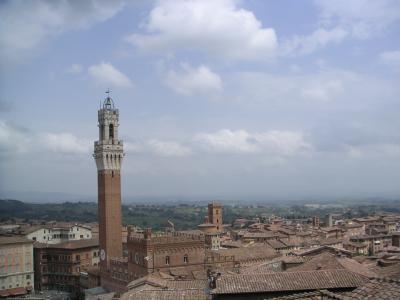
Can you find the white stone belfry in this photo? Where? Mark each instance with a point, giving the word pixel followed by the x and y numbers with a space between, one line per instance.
pixel 108 150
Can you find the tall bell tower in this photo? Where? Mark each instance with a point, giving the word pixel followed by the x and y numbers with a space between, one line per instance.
pixel 108 153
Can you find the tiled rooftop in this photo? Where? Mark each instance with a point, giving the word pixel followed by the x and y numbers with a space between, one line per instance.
pixel 377 289
pixel 166 294
pixel 288 281
pixel 5 240
pixel 84 243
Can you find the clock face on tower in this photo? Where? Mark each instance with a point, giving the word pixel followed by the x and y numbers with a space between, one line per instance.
pixel 102 254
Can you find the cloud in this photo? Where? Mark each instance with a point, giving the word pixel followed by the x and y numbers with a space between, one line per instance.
pixel 190 81
pixel 373 150
pixel 26 25
pixel 279 143
pixel 361 18
pixel 391 59
pixel 322 91
pixel 315 41
pixel 158 147
pixel 66 143
pixel 163 148
pixel 13 139
pixel 294 89
pixel 218 28
pixel 75 69
pixel 106 74
pixel 340 20
pixel 17 140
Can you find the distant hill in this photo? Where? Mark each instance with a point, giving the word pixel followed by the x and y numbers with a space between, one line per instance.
pixel 67 211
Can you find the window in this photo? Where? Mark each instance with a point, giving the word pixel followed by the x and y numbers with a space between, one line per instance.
pixel 81 236
pixel 185 259
pixel 167 260
pixel 28 276
pixel 78 257
pixel 34 238
pixel 111 131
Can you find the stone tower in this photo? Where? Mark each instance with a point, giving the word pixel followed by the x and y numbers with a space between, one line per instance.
pixel 108 153
pixel 215 215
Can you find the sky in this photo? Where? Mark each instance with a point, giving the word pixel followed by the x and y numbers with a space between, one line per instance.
pixel 219 99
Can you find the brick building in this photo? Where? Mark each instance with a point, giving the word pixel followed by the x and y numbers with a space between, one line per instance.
pixel 58 266
pixel 164 252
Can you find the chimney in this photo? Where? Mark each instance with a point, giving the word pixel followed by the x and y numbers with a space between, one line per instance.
pixel 147 234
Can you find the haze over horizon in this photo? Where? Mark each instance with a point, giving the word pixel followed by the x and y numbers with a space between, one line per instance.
pixel 285 99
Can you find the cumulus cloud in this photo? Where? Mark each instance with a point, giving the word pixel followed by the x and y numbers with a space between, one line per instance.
pixel 163 148
pixel 361 18
pixel 66 143
pixel 25 25
pixel 324 90
pixel 190 81
pixel 391 59
pixel 342 19
pixel 75 69
pixel 13 139
pixel 158 147
pixel 17 140
pixel 298 88
pixel 217 28
pixel 279 143
pixel 107 75
pixel 310 43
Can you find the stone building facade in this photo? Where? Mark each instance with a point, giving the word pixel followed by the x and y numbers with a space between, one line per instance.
pixel 16 266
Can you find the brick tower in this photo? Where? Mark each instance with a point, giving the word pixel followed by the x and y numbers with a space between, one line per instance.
pixel 215 214
pixel 108 153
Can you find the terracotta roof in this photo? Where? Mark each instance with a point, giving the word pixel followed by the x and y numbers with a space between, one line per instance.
pixel 328 261
pixel 392 271
pixel 288 281
pixel 314 295
pixel 377 289
pixel 156 281
pixel 169 294
pixel 322 248
pixel 6 240
pixel 84 243
pixel 247 253
pixel 276 244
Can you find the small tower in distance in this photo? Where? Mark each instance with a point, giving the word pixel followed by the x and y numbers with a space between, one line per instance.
pixel 108 154
pixel 215 215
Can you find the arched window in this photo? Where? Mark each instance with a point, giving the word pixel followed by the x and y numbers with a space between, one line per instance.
pixel 186 259
pixel 111 131
pixel 167 260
